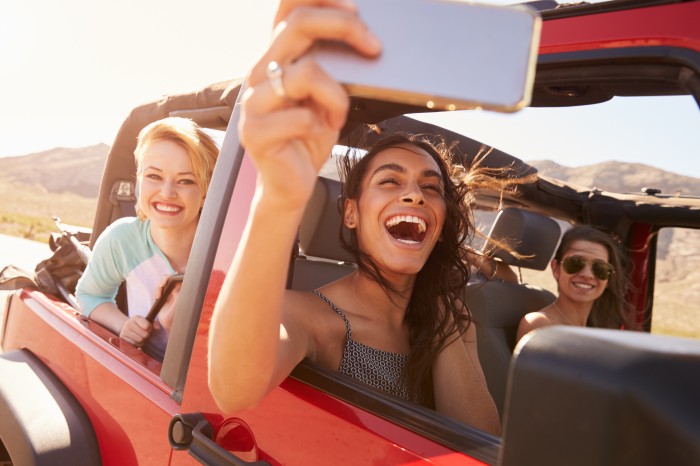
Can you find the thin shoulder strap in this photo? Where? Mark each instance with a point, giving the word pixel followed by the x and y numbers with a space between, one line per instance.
pixel 337 311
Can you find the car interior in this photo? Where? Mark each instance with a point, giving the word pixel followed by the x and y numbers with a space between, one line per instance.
pixel 321 259
pixel 498 305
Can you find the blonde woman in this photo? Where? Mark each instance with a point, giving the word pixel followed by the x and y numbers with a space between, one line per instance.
pixel 175 160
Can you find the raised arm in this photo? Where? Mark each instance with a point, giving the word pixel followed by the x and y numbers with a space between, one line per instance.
pixel 254 343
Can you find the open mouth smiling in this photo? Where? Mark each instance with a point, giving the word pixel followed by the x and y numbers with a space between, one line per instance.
pixel 407 229
pixel 166 208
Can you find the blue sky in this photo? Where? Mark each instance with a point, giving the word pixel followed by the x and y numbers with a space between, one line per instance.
pixel 656 131
pixel 73 69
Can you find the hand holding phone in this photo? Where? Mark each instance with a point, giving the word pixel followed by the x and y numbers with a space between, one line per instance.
pixel 167 290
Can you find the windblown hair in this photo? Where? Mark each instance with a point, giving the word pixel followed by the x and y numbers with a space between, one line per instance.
pixel 434 311
pixel 611 309
pixel 200 147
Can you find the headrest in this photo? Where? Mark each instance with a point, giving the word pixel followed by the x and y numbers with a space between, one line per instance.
pixel 318 231
pixel 533 236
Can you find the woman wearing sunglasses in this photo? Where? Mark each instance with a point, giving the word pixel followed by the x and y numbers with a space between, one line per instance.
pixel 592 282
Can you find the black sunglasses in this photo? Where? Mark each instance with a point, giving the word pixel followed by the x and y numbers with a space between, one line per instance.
pixel 601 269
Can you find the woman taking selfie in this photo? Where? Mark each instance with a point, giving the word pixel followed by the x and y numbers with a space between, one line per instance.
pixel 395 324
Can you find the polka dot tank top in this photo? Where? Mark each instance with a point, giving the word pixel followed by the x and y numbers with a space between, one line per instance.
pixel 379 369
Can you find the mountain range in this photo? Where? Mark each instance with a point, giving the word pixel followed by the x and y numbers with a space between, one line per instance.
pixel 620 177
pixel 66 182
pixel 59 170
pixel 79 171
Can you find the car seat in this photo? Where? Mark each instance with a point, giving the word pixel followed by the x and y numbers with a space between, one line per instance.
pixel 322 259
pixel 497 306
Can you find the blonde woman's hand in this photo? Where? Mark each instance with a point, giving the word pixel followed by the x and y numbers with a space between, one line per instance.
pixel 290 136
pixel 136 331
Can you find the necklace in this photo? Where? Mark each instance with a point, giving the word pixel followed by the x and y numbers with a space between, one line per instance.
pixel 562 315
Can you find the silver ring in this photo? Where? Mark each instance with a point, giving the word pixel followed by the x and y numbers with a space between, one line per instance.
pixel 275 73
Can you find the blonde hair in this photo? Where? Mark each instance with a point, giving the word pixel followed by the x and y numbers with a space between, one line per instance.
pixel 200 147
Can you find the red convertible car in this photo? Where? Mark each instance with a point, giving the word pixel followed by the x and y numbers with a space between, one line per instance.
pixel 72 392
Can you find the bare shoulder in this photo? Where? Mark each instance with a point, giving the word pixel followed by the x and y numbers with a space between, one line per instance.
pixel 536 318
pixel 532 321
pixel 305 306
pixel 315 316
pixel 323 330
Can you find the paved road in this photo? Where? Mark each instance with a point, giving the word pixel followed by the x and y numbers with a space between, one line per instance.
pixel 22 252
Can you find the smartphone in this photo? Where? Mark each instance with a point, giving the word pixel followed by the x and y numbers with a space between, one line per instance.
pixel 167 289
pixel 441 54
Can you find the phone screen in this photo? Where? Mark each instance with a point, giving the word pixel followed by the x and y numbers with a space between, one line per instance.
pixel 446 55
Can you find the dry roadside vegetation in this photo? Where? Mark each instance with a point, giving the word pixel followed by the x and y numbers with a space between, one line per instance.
pixel 26 210
pixel 65 183
pixel 58 182
pixel 677 288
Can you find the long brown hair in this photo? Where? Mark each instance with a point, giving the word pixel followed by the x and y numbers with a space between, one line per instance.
pixel 610 310
pixel 434 310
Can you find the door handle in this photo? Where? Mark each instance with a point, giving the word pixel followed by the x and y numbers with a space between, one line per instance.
pixel 192 432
